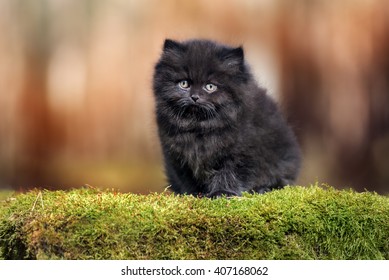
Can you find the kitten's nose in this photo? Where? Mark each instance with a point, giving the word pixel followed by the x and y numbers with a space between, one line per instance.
pixel 195 97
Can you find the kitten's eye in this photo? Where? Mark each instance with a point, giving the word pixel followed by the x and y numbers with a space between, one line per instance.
pixel 184 84
pixel 210 88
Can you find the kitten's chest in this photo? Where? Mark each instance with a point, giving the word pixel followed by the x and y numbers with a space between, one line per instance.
pixel 200 152
pixel 190 145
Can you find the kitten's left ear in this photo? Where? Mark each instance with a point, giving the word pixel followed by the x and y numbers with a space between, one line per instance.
pixel 232 57
pixel 238 53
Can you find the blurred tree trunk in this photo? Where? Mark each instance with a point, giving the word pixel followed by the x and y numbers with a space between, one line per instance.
pixel 39 133
pixel 334 92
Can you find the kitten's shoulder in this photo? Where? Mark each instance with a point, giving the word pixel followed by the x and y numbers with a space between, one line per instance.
pixel 259 99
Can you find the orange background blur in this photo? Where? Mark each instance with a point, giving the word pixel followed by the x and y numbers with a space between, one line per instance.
pixel 76 103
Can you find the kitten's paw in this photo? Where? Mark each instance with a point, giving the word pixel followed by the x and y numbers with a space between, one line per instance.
pixel 219 194
pixel 261 190
pixel 265 189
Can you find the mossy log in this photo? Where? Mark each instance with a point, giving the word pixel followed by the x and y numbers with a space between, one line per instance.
pixel 293 223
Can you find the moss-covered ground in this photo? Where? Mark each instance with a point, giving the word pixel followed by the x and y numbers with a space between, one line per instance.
pixel 293 223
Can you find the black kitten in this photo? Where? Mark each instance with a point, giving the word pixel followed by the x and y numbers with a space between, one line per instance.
pixel 220 133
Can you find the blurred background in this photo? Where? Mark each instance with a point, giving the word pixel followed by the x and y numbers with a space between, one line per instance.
pixel 76 103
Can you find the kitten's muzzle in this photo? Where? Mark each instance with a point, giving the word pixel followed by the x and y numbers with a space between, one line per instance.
pixel 195 97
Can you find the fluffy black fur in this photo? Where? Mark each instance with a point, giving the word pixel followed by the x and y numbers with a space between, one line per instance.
pixel 231 140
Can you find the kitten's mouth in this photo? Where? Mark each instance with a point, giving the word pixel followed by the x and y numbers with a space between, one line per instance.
pixel 193 109
pixel 199 111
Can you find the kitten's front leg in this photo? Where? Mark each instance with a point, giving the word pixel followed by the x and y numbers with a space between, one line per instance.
pixel 224 183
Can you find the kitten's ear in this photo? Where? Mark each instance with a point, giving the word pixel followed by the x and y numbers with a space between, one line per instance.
pixel 237 53
pixel 232 57
pixel 171 45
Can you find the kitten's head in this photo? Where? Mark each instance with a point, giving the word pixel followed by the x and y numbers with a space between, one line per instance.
pixel 200 79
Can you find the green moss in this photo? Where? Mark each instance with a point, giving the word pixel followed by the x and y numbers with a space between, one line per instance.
pixel 292 223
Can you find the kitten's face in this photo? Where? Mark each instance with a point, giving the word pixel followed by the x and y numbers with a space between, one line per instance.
pixel 198 79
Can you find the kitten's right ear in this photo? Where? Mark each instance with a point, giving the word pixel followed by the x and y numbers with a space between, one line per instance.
pixel 171 45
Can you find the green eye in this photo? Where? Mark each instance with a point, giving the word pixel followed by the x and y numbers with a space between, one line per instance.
pixel 210 88
pixel 184 84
